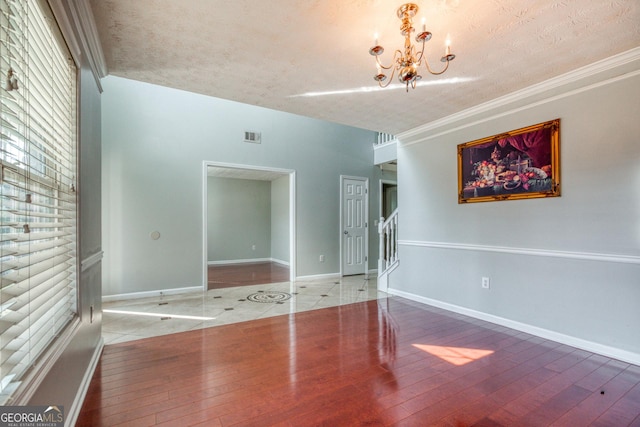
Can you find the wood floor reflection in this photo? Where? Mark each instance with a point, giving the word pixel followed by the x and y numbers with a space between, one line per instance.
pixel 383 362
pixel 255 273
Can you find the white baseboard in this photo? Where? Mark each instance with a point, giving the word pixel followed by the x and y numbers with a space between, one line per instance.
pixel 248 261
pixel 319 277
pixel 373 272
pixel 604 350
pixel 76 406
pixel 239 261
pixel 149 294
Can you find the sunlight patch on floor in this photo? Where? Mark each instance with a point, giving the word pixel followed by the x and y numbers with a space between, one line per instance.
pixel 173 316
pixel 455 355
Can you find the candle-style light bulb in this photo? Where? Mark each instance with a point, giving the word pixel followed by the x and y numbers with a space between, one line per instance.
pixel 448 44
pixel 375 38
pixel 378 68
pixel 424 24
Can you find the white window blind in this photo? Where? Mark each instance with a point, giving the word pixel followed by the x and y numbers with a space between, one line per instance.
pixel 37 193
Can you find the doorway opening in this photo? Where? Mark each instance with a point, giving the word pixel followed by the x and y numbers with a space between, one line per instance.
pixel 248 225
pixel 388 197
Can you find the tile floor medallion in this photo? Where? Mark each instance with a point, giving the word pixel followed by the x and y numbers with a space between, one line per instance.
pixel 134 319
pixel 269 297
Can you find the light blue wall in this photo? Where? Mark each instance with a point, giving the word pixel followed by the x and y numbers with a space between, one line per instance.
pixel 537 251
pixel 239 219
pixel 155 141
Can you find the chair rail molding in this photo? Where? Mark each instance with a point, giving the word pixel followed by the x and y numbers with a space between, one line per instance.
pixel 588 256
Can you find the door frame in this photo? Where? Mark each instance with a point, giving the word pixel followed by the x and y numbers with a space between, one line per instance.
pixel 366 216
pixel 381 195
pixel 205 214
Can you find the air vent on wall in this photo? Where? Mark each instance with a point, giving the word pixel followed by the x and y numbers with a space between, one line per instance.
pixel 253 137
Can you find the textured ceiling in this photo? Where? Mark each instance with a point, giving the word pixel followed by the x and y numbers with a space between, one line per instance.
pixel 271 54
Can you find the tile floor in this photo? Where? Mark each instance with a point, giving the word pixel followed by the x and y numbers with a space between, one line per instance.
pixel 147 317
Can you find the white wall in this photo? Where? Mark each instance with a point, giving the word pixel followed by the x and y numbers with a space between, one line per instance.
pixel 239 219
pixel 567 267
pixel 155 141
pixel 280 219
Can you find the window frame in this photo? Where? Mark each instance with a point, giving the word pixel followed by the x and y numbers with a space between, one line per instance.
pixel 45 359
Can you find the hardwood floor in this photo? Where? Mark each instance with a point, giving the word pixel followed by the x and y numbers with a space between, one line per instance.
pixel 379 363
pixel 231 275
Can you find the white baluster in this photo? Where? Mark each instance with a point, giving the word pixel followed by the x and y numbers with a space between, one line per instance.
pixel 381 245
pixel 388 242
pixel 395 240
pixel 387 232
pixel 390 254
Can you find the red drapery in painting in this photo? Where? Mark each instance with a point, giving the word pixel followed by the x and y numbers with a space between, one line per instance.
pixel 535 144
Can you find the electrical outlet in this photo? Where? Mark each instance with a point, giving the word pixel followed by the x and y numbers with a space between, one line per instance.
pixel 321 258
pixel 486 283
pixel 253 247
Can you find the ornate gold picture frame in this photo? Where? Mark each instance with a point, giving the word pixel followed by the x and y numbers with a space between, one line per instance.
pixel 520 164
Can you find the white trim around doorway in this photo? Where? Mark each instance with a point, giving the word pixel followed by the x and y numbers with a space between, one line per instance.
pixel 292 212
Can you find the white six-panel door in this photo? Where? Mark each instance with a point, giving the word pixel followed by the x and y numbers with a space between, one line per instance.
pixel 355 201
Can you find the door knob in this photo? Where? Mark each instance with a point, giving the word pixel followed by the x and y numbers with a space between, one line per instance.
pixel 346 232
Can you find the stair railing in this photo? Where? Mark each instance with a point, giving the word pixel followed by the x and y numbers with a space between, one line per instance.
pixel 383 138
pixel 388 231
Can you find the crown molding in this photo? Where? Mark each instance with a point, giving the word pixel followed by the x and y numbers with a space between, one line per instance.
pixel 75 19
pixel 525 98
pixel 90 32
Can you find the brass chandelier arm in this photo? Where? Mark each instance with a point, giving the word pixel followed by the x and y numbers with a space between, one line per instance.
pixel 397 57
pixel 383 85
pixel 384 67
pixel 421 56
pixel 426 63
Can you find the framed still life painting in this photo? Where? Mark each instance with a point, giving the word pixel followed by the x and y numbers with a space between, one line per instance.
pixel 520 164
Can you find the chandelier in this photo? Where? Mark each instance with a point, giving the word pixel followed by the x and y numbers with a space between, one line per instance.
pixel 406 63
